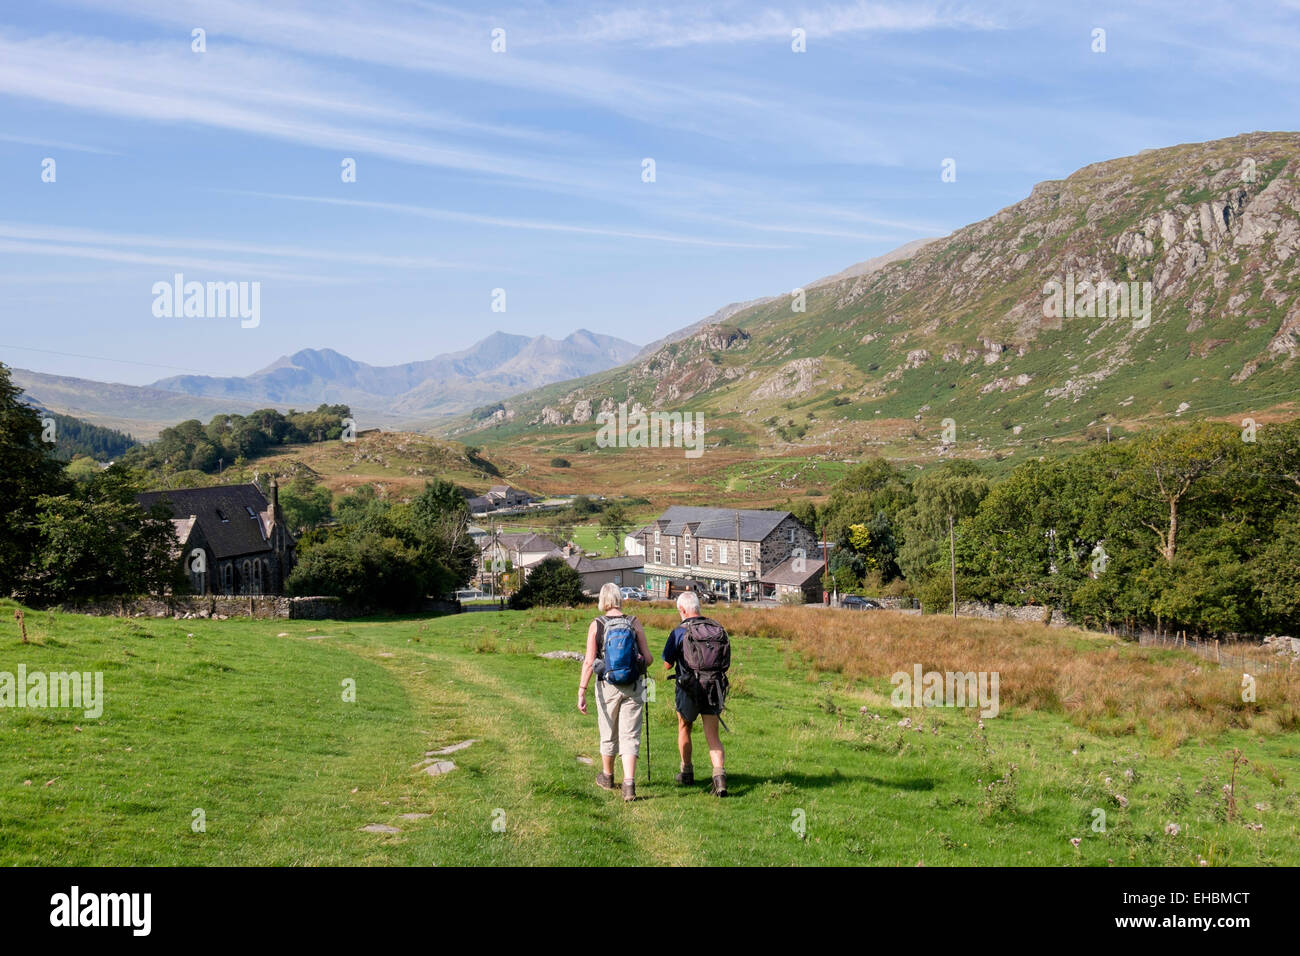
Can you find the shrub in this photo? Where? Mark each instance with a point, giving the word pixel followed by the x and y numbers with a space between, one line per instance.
pixel 551 584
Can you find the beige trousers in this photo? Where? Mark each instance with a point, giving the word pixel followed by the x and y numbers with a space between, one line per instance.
pixel 618 713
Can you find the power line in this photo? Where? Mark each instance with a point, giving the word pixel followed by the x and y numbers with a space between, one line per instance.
pixel 103 358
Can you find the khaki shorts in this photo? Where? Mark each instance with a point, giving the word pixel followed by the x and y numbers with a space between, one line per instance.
pixel 618 713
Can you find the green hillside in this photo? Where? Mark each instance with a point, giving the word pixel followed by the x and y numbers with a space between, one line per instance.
pixel 958 329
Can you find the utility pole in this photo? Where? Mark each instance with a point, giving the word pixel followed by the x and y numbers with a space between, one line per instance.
pixel 738 568
pixel 826 570
pixel 952 554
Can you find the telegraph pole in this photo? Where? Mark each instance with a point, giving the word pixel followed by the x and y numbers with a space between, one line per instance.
pixel 952 554
pixel 826 570
pixel 738 567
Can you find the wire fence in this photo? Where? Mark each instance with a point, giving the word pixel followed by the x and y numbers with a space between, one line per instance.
pixel 1250 658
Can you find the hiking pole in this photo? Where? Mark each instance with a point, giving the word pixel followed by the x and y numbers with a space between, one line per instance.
pixel 645 729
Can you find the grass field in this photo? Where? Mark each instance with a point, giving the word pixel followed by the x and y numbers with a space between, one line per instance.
pixel 246 721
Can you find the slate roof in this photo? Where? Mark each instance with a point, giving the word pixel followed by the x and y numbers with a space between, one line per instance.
pixel 585 565
pixel 784 573
pixel 241 533
pixel 526 541
pixel 755 525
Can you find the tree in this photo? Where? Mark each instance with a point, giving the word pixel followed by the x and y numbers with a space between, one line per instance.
pixel 805 512
pixel 96 541
pixel 28 471
pixel 364 568
pixel 865 493
pixel 551 583
pixel 563 531
pixel 955 488
pixel 306 503
pixel 615 523
pixel 1170 467
pixel 439 522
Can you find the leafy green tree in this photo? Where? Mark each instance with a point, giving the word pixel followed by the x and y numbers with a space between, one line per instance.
pixel 1276 576
pixel 1172 468
pixel 615 523
pixel 306 503
pixel 28 471
pixel 955 488
pixel 363 568
pixel 551 583
pixel 82 468
pixel 805 512
pixel 874 494
pixel 562 531
pixel 96 541
pixel 439 525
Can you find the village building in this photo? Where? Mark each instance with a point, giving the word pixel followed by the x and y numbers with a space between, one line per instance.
pixel 511 551
pixel 497 498
pixel 627 571
pixel 727 550
pixel 797 579
pixel 231 539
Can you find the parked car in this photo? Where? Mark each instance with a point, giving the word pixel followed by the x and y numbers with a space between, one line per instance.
pixel 632 594
pixel 855 603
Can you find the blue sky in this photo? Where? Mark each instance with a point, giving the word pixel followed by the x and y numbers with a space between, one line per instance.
pixel 522 170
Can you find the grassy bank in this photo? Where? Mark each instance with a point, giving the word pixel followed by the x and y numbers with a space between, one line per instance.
pixel 247 722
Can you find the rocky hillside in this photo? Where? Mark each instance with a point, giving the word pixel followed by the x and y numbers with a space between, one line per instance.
pixel 995 326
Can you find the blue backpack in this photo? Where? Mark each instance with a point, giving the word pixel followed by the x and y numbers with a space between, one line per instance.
pixel 621 655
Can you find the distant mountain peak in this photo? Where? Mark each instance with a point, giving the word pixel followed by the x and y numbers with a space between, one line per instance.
pixel 493 368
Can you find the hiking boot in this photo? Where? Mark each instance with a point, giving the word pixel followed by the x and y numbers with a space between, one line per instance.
pixel 605 781
pixel 686 778
pixel 719 785
pixel 629 791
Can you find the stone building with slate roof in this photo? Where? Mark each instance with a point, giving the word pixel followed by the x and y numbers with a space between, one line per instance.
pixel 232 540
pixel 727 550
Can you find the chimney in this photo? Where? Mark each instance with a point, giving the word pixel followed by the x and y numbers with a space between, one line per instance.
pixel 275 497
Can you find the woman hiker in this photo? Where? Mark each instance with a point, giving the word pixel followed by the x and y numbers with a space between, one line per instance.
pixel 617 653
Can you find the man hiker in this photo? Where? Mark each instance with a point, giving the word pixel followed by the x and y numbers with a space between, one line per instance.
pixel 701 652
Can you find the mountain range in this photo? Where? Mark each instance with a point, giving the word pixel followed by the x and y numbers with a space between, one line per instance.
pixel 409 394
pixel 984 337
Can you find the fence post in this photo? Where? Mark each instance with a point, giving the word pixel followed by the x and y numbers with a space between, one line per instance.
pixel 1217 658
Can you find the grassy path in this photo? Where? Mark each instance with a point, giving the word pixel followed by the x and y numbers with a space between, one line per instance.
pixel 246 721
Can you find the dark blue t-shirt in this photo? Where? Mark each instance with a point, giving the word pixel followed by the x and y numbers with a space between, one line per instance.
pixel 673 649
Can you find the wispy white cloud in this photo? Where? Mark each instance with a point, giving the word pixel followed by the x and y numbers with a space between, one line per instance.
pixel 666 26
pixel 540 63
pixel 227 267
pixel 509 222
pixel 56 144
pixel 250 92
pixel 59 234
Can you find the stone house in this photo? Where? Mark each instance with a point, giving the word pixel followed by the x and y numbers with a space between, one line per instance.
pixel 727 550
